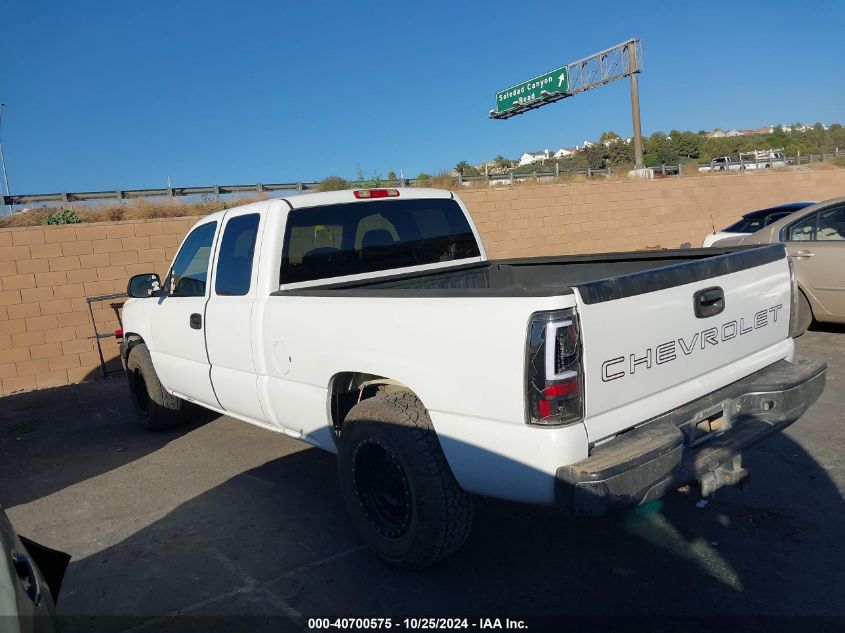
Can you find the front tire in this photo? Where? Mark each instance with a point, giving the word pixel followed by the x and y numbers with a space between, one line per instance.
pixel 396 484
pixel 157 410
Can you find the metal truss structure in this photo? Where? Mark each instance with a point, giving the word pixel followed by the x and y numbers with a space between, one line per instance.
pixel 616 62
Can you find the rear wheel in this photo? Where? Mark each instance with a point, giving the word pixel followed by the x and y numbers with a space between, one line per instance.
pixel 805 314
pixel 397 486
pixel 157 410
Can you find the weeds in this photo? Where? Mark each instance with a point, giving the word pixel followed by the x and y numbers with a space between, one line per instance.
pixel 62 216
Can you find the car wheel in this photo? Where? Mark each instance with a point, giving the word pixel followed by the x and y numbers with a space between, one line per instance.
pixel 157 410
pixel 396 484
pixel 805 314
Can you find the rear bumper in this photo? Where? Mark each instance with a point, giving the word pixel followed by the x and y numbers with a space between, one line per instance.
pixel 668 451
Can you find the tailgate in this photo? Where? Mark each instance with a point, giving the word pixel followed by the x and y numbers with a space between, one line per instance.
pixel 655 340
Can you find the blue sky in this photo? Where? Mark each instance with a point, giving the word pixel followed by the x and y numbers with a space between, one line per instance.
pixel 105 95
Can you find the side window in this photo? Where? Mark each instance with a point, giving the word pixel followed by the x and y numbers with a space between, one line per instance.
pixel 804 230
pixel 234 264
pixel 831 224
pixel 190 269
pixel 825 225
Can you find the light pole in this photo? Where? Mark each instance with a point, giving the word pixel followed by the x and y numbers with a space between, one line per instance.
pixel 3 159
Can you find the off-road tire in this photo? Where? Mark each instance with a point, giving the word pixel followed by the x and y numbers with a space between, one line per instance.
pixel 437 512
pixel 157 410
pixel 805 314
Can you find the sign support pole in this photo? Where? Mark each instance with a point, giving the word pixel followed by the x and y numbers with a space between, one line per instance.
pixel 635 108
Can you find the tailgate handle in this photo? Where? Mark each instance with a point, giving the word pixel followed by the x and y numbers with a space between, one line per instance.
pixel 709 302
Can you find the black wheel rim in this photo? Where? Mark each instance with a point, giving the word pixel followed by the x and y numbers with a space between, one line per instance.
pixel 139 390
pixel 382 489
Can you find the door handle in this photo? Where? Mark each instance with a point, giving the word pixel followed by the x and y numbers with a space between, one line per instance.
pixel 708 302
pixel 196 321
pixel 800 254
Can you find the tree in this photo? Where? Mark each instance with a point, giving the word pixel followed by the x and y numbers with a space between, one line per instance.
pixel 620 153
pixel 608 136
pixel 391 175
pixel 501 162
pixel 596 156
pixel 686 144
pixel 461 166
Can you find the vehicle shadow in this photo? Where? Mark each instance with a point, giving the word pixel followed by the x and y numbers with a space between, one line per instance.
pixel 53 438
pixel 274 541
pixel 833 328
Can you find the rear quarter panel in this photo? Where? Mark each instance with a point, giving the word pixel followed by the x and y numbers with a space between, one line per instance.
pixel 463 357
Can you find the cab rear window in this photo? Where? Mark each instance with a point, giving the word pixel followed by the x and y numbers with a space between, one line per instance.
pixel 362 237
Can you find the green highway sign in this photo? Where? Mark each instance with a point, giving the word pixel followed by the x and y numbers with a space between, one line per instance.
pixel 537 89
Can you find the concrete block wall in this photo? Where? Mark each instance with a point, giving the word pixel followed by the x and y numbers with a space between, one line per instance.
pixel 629 215
pixel 46 272
pixel 45 275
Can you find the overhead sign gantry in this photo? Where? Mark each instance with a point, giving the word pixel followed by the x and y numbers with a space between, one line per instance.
pixel 616 62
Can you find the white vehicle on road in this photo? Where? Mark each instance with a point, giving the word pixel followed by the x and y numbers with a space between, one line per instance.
pixel 723 163
pixel 762 159
pixel 371 324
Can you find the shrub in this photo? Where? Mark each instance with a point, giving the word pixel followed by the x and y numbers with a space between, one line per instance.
pixel 62 216
pixel 332 183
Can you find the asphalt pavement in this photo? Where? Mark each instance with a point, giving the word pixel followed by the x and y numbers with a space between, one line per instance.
pixel 219 518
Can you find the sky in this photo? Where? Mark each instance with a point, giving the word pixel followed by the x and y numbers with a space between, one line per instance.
pixel 108 95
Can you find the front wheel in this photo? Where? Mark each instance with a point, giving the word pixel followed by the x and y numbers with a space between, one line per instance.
pixel 156 408
pixel 396 484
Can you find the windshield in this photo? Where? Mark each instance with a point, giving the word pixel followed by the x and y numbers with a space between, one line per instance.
pixel 362 237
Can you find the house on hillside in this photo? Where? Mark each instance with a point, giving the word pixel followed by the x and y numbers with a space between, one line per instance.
pixel 563 152
pixel 529 158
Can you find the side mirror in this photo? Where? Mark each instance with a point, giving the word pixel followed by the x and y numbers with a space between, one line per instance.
pixel 143 286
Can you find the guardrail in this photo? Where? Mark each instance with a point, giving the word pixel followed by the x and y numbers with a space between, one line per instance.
pixel 508 177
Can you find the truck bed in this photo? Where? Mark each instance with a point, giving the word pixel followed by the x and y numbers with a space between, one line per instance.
pixel 544 276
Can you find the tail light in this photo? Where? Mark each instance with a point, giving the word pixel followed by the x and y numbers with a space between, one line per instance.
pixel 376 193
pixel 118 334
pixel 793 304
pixel 554 394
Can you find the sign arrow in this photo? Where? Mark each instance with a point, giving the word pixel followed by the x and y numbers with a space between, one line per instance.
pixel 560 79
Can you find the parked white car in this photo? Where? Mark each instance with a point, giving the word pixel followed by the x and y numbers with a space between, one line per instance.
pixel 753 221
pixel 371 323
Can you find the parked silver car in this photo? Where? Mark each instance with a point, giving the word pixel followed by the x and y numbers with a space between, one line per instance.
pixel 815 240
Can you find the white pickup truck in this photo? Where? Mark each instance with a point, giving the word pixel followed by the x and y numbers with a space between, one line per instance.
pixel 370 323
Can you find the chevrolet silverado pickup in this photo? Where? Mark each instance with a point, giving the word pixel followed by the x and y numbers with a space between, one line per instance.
pixel 370 323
